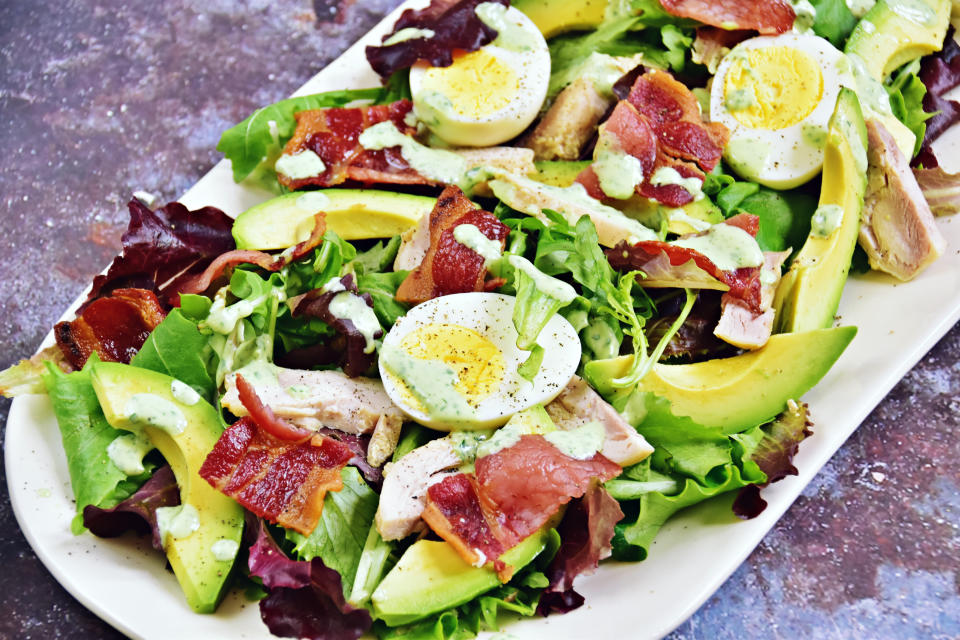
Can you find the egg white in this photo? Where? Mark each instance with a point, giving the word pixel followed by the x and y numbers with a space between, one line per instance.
pixel 788 157
pixel 532 68
pixel 489 314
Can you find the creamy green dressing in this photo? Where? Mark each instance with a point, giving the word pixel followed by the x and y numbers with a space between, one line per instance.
pixel 547 285
pixel 224 550
pixel 748 154
pixel 916 11
pixel 470 236
pixel 260 372
pixel 580 443
pixel 349 306
pixel 127 452
pixel 511 34
pixel 300 165
pixel 409 33
pixel 177 522
pixel 600 338
pixel 223 318
pixel 815 134
pixel 679 215
pixel 860 7
pixel 726 246
pixel 313 201
pixel 184 393
pixel 825 220
pixel 434 164
pixel 739 99
pixel 873 97
pixel 430 381
pixel 299 391
pixel 148 409
pixel 507 187
pixel 806 15
pixel 505 437
pixel 619 173
pixel 669 175
pixel 465 443
pixel 333 285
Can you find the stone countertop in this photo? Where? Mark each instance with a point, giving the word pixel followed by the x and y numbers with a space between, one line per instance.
pixel 100 99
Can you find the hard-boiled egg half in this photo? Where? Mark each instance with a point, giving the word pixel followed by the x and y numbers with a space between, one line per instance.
pixel 776 95
pixel 451 362
pixel 490 95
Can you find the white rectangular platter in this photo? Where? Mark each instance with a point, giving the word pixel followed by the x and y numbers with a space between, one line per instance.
pixel 125 583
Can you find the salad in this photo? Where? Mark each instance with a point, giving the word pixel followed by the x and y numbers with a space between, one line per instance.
pixel 276 364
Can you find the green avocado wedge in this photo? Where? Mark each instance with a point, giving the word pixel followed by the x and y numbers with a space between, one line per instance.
pixel 809 294
pixel 894 32
pixel 431 577
pixel 353 214
pixel 553 18
pixel 155 405
pixel 735 393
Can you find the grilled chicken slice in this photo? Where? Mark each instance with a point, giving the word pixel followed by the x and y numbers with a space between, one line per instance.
pixel 579 404
pixel 569 123
pixel 315 399
pixel 897 229
pixel 741 326
pixel 405 487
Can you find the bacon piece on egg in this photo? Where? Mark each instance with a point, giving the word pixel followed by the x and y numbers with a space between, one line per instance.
pixel 448 266
pixel 114 326
pixel 766 16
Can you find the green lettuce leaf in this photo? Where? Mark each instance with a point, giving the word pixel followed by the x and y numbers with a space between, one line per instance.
pixel 178 349
pixel 382 287
pixel 833 21
pixel 260 138
pixel 86 434
pixel 341 534
pixel 906 92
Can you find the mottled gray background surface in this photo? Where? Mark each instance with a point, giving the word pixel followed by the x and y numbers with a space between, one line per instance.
pixel 99 99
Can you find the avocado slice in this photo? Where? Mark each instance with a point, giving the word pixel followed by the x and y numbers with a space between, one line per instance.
pixel 354 214
pixel 894 32
pixel 809 294
pixel 736 393
pixel 431 577
pixel 558 173
pixel 156 405
pixel 553 18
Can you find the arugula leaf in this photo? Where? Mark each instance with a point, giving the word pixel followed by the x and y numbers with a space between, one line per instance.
pixel 260 138
pixel 86 434
pixel 178 349
pixel 341 534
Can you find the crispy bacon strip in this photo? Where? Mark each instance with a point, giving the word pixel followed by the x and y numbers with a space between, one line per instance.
pixel 766 16
pixel 448 266
pixel 333 134
pixel 284 482
pixel 218 267
pixel 659 123
pixel 115 327
pixel 512 494
pixel 668 265
pixel 264 416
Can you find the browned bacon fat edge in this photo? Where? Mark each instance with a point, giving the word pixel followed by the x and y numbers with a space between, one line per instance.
pixel 766 16
pixel 274 469
pixel 510 496
pixel 450 267
pixel 115 327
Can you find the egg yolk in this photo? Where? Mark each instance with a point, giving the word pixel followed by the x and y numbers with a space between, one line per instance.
pixel 476 84
pixel 477 362
pixel 772 88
